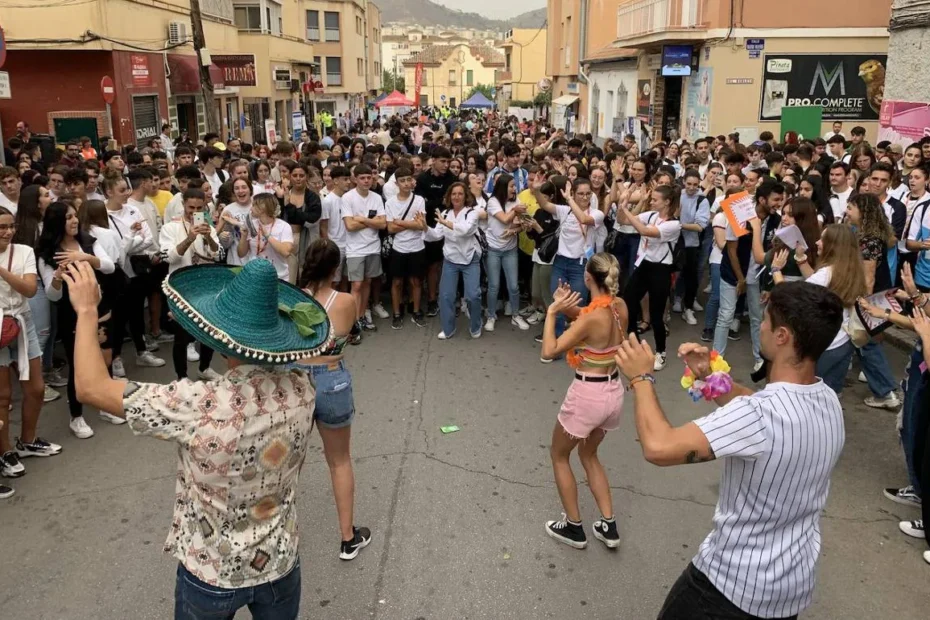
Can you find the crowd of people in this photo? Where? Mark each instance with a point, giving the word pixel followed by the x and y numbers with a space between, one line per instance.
pixel 599 247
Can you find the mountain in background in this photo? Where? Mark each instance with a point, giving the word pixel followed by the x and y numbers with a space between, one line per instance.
pixel 428 13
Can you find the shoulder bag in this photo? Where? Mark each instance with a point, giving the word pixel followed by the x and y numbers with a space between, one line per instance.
pixel 387 244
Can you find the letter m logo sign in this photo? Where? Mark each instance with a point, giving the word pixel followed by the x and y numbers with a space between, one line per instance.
pixel 828 79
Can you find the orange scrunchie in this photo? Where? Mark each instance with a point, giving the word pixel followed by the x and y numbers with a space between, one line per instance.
pixel 601 301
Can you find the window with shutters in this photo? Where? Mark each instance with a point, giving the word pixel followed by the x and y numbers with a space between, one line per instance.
pixel 333 71
pixel 313 25
pixel 331 23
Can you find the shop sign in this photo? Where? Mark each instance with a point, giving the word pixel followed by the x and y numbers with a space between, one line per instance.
pixel 697 120
pixel 755 45
pixel 139 66
pixel 846 86
pixel 5 91
pixel 572 88
pixel 238 69
pixel 740 80
pixel 903 122
pixel 643 98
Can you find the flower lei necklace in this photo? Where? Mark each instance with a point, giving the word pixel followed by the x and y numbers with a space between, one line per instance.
pixel 716 384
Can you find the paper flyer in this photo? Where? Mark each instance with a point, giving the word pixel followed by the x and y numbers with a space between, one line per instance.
pixel 739 209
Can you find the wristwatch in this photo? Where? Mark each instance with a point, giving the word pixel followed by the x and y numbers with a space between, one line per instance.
pixel 887 314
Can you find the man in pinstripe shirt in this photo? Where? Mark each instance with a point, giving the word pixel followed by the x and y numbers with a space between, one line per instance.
pixel 780 446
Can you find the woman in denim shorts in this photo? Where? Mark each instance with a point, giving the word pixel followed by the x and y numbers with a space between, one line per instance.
pixel 335 407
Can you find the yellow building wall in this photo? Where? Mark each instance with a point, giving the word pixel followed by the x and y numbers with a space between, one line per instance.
pixel 527 62
pixel 437 80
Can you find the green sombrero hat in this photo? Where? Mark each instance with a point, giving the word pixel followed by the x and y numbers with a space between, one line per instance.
pixel 247 312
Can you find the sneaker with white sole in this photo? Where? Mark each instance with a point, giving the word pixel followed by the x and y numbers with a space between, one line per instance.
pixel 891 401
pixel 367 315
pixel 119 370
pixel 688 317
pixel 535 317
pixel 37 447
pixel 476 334
pixel 697 307
pixel 606 532
pixel 660 362
pixel 489 324
pixel 6 491
pixel 208 375
pixel 350 548
pixel 151 344
pixel 10 466
pixel 54 379
pixel 519 322
pixel 192 354
pixel 862 378
pixel 757 365
pixel 380 312
pixel 112 419
pixel 80 428
pixel 676 305
pixel 914 529
pixel 443 336
pixel 163 337
pixel 150 360
pixel 708 289
pixel 564 531
pixel 49 395
pixel 904 496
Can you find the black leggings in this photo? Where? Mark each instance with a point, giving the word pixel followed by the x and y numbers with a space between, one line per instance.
pixel 179 353
pixel 690 275
pixel 655 279
pixel 922 447
pixel 132 308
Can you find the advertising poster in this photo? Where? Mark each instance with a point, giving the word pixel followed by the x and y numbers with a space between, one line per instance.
pixel 643 98
pixel 418 84
pixel 238 69
pixel 846 86
pixel 676 60
pixel 697 121
pixel 903 122
pixel 140 70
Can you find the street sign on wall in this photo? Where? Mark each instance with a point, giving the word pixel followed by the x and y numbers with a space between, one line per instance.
pixel 107 90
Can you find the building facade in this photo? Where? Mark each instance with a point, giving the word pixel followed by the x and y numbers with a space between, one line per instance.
pixel 450 72
pixel 263 56
pixel 524 65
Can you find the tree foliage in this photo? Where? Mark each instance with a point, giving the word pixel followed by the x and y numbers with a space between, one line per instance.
pixel 484 89
pixel 389 85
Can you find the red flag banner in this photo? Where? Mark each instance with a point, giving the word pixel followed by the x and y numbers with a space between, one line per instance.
pixel 419 82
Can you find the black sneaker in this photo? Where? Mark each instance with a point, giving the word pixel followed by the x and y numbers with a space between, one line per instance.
pixel 398 322
pixel 350 548
pixel 6 491
pixel 572 534
pixel 38 447
pixel 733 334
pixel 707 335
pixel 432 309
pixel 355 338
pixel 539 338
pixel 418 320
pixel 606 532
pixel 10 467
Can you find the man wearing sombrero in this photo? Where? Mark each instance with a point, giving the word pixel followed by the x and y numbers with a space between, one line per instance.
pixel 242 439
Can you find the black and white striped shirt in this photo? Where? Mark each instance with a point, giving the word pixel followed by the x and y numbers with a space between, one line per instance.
pixel 780 446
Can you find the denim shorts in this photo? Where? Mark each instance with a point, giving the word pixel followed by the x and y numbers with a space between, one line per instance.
pixel 335 405
pixel 10 353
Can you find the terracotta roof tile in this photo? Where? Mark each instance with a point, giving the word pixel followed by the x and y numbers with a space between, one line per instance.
pixel 610 52
pixel 435 54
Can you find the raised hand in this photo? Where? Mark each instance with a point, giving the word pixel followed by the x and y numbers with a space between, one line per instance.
pixel 696 357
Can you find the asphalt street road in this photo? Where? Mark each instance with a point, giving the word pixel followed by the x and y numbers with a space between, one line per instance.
pixel 458 518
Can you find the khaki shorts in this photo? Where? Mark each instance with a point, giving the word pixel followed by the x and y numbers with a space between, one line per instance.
pixel 363 267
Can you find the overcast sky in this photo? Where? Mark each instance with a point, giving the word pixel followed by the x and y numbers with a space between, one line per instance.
pixel 495 9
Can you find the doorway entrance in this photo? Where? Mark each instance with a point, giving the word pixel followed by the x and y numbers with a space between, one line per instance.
pixel 671 106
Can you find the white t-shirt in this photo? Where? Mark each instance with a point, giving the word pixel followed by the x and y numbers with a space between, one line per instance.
pixel 9 204
pixel 406 241
pixel 332 213
pixel 822 277
pixel 262 188
pixel 496 228
pixel 364 242
pixel 24 262
pixel 215 181
pixel 661 249
pixel 838 203
pixel 109 240
pixel 573 241
pixel 240 213
pixel 280 231
pixel 716 254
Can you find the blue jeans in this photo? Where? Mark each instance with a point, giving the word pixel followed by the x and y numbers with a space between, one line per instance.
pixel 913 387
pixel 448 289
pixel 713 302
pixel 877 371
pixel 571 271
pixel 508 260
pixel 724 315
pixel 41 316
pixel 707 244
pixel 276 600
pixel 834 364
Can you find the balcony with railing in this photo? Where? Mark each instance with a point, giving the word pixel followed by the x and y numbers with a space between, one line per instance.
pixel 503 77
pixel 652 18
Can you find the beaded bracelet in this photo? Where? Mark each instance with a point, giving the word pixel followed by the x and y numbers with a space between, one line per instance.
pixel 716 384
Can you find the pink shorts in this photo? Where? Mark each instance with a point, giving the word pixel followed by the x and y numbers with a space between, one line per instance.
pixel 588 406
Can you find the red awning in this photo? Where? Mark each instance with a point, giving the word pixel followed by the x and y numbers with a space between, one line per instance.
pixel 394 100
pixel 184 78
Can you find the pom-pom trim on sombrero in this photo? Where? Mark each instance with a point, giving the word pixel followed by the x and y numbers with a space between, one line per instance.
pixel 232 344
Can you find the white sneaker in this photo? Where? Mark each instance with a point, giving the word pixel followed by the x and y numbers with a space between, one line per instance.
pixel 535 317
pixel 708 289
pixel 112 419
pixel 676 305
pixel 149 359
pixel 927 557
pixel 368 315
pixel 476 334
pixel 697 307
pixel 520 322
pixel 527 310
pixel 489 324
pixel 49 395
pixel 192 355
pixel 507 309
pixel 688 317
pixel 734 325
pixel 118 369
pixel 913 528
pixel 862 378
pixel 891 401
pixel 80 428
pixel 660 362
pixel 208 375
pixel 758 365
pixel 380 311
pixel 443 336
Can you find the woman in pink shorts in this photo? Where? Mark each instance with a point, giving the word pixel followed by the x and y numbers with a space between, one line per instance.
pixel 594 400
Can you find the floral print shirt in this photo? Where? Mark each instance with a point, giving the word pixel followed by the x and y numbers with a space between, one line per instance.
pixel 241 443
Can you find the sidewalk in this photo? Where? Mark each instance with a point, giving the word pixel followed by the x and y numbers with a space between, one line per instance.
pixel 902 339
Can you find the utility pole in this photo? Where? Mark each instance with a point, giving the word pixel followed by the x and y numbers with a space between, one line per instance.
pixel 206 82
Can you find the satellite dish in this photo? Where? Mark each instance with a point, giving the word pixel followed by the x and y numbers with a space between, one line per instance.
pixel 545 85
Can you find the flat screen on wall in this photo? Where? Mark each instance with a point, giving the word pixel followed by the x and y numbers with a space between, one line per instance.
pixel 676 60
